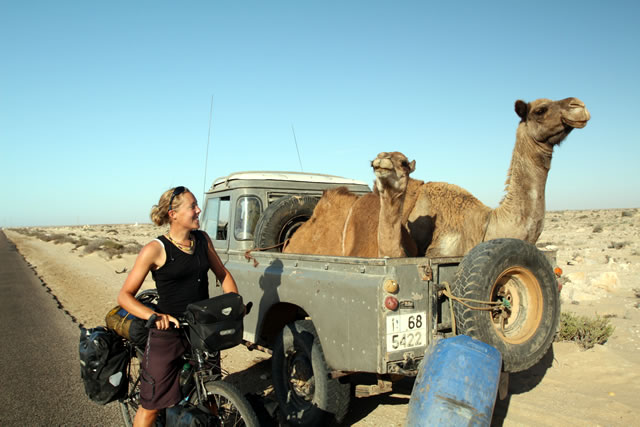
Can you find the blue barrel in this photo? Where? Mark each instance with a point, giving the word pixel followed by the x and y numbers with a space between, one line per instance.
pixel 456 385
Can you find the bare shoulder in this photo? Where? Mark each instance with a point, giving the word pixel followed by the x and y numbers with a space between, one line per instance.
pixel 152 253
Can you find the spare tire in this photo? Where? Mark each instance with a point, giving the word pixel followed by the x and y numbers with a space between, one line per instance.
pixel 518 272
pixel 281 219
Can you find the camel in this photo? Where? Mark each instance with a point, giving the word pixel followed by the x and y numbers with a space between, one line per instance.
pixel 447 220
pixel 364 226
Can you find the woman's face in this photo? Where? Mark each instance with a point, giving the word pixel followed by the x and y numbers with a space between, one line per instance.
pixel 187 212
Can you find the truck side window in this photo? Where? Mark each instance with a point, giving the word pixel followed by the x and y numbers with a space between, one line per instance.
pixel 248 209
pixel 216 220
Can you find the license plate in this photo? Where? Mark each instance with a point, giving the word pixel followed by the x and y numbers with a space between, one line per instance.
pixel 406 331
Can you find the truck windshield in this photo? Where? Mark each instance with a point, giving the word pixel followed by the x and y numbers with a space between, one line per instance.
pixel 248 209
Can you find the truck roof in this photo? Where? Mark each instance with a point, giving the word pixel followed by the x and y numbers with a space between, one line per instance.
pixel 286 176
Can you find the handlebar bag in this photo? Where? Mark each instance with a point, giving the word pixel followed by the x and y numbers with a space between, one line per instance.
pixel 103 364
pixel 216 323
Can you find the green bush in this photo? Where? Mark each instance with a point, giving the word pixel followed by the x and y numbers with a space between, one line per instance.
pixel 584 330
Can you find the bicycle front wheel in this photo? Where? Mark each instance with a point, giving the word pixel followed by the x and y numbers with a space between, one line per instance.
pixel 228 403
pixel 130 403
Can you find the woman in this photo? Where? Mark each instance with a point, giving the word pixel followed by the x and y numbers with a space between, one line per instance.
pixel 179 262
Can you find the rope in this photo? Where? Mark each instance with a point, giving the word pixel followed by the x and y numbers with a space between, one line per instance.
pixel 494 305
pixel 248 256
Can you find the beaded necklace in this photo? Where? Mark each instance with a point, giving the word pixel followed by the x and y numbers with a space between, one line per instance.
pixel 185 248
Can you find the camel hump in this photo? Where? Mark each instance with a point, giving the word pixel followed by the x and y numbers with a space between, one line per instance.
pixel 360 236
pixel 449 194
pixel 322 233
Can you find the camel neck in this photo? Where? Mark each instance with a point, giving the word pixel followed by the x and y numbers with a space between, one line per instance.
pixel 390 224
pixel 523 206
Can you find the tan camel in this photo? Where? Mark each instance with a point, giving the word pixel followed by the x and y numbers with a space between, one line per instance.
pixel 448 221
pixel 368 226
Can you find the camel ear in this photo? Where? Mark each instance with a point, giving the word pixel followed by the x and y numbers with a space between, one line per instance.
pixel 412 166
pixel 522 109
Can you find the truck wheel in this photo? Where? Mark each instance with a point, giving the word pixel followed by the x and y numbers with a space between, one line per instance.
pixel 518 272
pixel 306 394
pixel 281 219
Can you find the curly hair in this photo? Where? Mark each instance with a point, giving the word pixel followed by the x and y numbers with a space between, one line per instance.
pixel 160 212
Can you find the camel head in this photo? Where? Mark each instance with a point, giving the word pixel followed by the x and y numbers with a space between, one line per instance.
pixel 549 122
pixel 392 171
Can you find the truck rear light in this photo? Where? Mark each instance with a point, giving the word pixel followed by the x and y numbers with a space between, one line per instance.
pixel 390 286
pixel 391 303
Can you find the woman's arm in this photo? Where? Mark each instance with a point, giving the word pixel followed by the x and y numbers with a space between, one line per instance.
pixel 150 256
pixel 221 272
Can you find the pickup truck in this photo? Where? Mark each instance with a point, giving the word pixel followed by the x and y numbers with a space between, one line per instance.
pixel 326 318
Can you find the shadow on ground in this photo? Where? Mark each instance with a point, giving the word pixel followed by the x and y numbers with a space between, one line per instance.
pixel 522 382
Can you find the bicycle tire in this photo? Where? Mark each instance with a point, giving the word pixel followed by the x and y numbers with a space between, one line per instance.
pixel 237 411
pixel 130 403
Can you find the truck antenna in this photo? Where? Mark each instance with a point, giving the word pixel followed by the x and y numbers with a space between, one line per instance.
pixel 296 141
pixel 206 157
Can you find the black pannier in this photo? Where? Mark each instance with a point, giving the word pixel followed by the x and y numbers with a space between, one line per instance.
pixel 216 323
pixel 103 364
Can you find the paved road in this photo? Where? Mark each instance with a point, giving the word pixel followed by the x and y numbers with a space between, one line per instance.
pixel 39 368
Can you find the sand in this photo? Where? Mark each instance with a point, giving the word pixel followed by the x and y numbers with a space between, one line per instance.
pixel 598 251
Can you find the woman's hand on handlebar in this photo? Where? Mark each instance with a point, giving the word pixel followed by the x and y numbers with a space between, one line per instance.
pixel 162 321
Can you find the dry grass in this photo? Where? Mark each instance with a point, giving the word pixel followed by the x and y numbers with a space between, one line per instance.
pixel 111 248
pixel 585 331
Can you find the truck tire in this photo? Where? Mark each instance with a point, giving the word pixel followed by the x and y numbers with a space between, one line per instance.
pixel 281 219
pixel 307 396
pixel 518 271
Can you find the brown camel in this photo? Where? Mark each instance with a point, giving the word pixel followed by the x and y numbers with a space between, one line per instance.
pixel 448 221
pixel 368 226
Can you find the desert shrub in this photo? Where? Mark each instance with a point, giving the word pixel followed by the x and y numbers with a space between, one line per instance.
pixel 112 248
pixel 585 331
pixel 627 213
pixel 132 248
pixel 62 238
pixel 617 245
pixel 81 242
pixel 597 229
pixel 102 244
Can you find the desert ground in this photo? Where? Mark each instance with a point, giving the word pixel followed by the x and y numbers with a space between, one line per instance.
pixel 83 267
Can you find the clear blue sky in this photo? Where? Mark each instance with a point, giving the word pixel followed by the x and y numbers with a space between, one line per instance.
pixel 105 104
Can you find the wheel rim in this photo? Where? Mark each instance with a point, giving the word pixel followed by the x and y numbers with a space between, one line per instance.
pixel 290 227
pixel 301 381
pixel 225 410
pixel 523 292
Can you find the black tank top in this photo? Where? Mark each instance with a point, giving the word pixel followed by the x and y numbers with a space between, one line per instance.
pixel 183 277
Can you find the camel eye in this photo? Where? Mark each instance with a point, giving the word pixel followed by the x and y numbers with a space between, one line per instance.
pixel 405 164
pixel 540 111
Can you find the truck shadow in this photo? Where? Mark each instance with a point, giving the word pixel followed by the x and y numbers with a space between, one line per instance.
pixel 522 382
pixel 361 407
pixel 255 382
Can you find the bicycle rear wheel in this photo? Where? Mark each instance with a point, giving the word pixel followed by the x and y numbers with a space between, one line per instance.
pixel 228 403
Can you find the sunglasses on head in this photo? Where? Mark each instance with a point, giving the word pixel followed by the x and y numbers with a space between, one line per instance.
pixel 176 191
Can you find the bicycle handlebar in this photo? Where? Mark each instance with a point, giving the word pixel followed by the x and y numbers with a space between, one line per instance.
pixel 151 321
pixel 183 322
